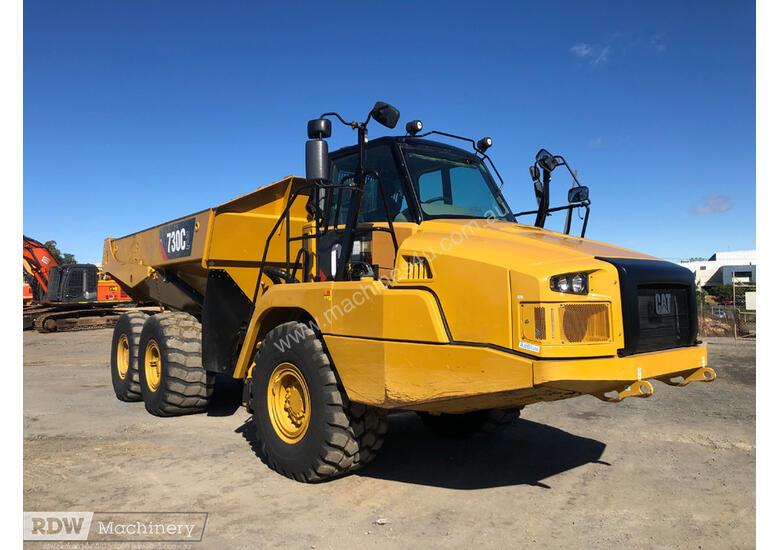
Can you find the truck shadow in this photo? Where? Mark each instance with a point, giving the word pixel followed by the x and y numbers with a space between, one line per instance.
pixel 226 399
pixel 524 454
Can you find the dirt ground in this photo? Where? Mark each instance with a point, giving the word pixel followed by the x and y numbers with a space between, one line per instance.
pixel 676 470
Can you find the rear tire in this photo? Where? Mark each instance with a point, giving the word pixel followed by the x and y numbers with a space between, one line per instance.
pixel 172 378
pixel 463 425
pixel 124 356
pixel 306 426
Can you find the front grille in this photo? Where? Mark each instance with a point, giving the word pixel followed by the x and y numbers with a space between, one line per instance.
pixel 664 318
pixel 659 305
pixel 540 327
pixel 569 323
pixel 585 323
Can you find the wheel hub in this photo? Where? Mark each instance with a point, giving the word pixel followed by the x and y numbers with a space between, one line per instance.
pixel 152 365
pixel 289 404
pixel 122 356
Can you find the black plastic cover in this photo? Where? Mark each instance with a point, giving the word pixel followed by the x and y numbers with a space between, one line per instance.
pixel 659 305
pixel 317 163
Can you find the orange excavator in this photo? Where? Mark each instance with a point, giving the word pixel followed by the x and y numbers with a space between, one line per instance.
pixel 37 261
pixel 60 297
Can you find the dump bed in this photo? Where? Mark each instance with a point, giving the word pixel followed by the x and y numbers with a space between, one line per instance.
pixel 169 263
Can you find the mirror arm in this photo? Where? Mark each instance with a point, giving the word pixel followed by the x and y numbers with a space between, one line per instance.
pixel 338 116
pixel 516 214
pixel 585 221
pixel 583 204
pixel 562 160
pixel 544 207
pixel 368 118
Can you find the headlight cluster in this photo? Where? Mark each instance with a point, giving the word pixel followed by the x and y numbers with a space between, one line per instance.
pixel 570 283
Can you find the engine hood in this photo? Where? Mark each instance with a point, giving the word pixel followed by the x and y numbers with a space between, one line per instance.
pixel 509 244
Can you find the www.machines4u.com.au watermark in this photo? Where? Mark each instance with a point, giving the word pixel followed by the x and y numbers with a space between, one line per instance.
pixel 115 526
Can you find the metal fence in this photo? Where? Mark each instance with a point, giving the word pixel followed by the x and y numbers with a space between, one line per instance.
pixel 735 316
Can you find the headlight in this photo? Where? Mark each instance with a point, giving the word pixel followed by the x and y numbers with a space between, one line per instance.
pixel 570 283
pixel 578 283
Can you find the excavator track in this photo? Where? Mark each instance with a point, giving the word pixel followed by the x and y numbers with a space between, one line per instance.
pixel 44 319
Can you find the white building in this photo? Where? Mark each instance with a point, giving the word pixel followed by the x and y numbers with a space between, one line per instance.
pixel 723 268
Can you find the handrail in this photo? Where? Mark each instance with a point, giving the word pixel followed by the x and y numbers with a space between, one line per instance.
pixel 317 233
pixel 570 208
pixel 284 216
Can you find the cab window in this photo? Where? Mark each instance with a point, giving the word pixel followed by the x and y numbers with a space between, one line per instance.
pixel 380 159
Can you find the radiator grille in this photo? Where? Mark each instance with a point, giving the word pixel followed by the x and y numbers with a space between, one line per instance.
pixel 664 318
pixel 540 327
pixel 585 323
pixel 569 323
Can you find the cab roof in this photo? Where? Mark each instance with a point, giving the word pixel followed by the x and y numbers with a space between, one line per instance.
pixel 404 140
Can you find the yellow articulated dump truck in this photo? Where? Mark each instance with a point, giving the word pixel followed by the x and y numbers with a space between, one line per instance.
pixel 395 276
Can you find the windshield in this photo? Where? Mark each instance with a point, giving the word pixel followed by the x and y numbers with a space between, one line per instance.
pixel 453 185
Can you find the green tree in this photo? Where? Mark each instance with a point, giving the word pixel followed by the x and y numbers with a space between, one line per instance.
pixel 721 292
pixel 61 258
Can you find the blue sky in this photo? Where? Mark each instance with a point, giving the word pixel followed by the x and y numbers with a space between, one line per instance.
pixel 139 112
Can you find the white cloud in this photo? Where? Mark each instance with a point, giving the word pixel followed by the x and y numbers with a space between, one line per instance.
pixel 595 54
pixel 714 204
pixel 582 50
pixel 602 56
pixel 657 42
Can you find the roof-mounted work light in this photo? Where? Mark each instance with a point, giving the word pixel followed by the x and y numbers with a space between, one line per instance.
pixel 484 144
pixel 414 127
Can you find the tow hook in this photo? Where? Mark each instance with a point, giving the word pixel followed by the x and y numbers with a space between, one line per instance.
pixel 702 374
pixel 640 388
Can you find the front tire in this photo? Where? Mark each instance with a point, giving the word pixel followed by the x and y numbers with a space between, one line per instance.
pixel 308 429
pixel 172 378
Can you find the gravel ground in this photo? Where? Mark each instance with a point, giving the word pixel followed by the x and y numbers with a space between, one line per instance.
pixel 676 470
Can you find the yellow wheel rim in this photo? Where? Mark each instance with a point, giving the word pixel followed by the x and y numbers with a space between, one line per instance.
pixel 152 365
pixel 122 356
pixel 289 406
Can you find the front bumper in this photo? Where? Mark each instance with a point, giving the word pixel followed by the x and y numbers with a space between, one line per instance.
pixel 628 376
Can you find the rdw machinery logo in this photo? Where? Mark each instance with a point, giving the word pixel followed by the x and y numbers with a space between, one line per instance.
pixel 57 525
pixel 115 526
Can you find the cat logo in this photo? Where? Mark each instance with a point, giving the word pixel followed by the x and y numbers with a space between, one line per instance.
pixel 663 303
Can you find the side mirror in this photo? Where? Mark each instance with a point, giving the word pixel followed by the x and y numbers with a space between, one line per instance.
pixel 546 160
pixel 578 194
pixel 317 163
pixel 534 169
pixel 385 114
pixel 319 128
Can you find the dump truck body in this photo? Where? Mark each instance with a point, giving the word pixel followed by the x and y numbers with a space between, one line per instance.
pixel 393 277
pixel 170 263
